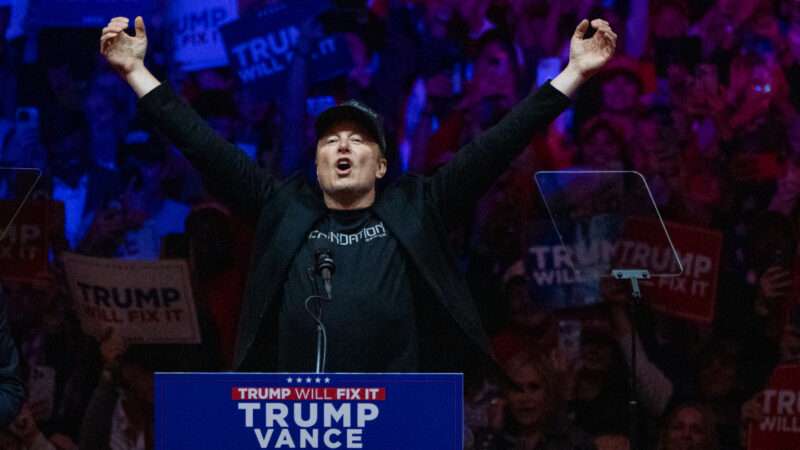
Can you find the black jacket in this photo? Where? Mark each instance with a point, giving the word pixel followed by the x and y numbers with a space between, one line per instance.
pixel 414 209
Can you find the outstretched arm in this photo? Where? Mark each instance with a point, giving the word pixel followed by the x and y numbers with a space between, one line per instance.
pixel 458 184
pixel 227 170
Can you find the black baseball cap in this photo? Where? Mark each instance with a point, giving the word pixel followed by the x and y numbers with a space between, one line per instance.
pixel 357 112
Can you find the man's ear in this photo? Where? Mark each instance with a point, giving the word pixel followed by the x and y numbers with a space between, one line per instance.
pixel 382 167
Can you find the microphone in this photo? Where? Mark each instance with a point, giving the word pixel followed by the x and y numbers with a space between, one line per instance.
pixel 325 268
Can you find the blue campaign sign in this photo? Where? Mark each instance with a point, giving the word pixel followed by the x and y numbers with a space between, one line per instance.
pixel 564 276
pixel 260 46
pixel 85 13
pixel 220 411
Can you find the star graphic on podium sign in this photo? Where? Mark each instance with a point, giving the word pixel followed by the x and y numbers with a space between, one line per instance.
pixel 327 380
pixel 299 380
pixel 308 380
pixel 289 380
pixel 317 380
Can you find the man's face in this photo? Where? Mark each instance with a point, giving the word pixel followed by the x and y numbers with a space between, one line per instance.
pixel 602 151
pixel 494 63
pixel 349 162
pixel 68 157
pixel 687 431
pixel 717 378
pixel 597 355
pixel 620 93
pixel 527 406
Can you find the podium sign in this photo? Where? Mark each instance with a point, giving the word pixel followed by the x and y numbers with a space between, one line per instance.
pixel 242 411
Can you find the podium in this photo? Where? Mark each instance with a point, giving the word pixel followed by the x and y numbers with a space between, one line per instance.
pixel 243 411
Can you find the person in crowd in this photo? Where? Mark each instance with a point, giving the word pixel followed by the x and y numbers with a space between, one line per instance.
pixel 688 427
pixel 256 126
pixel 620 89
pixel 529 326
pixel 104 107
pixel 721 386
pixel 24 434
pixel 655 390
pixel 602 146
pixel 56 358
pixel 752 411
pixel 10 59
pixel 80 184
pixel 533 414
pixel 120 414
pixel 217 265
pixel 612 441
pixel 598 401
pixel 133 226
pixel 11 389
pixel 489 96
pixel 772 258
pixel 722 24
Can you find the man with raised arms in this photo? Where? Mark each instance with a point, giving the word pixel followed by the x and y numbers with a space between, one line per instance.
pixel 399 302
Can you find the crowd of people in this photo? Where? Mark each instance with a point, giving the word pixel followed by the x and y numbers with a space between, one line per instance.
pixel 702 98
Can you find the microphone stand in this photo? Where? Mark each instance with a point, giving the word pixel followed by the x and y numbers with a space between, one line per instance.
pixel 633 404
pixel 322 343
pixel 325 268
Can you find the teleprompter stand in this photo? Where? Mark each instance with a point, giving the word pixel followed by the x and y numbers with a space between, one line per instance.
pixel 609 209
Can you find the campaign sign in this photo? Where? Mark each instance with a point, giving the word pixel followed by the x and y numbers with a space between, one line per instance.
pixel 143 301
pixel 780 427
pixel 24 246
pixel 260 47
pixel 197 43
pixel 85 13
pixel 567 276
pixel 691 295
pixel 220 411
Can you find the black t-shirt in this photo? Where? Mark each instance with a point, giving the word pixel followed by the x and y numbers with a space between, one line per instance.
pixel 370 322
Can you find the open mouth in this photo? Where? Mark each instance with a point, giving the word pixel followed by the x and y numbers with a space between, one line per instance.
pixel 343 166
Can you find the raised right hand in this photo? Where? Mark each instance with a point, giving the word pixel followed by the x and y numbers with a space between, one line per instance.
pixel 125 53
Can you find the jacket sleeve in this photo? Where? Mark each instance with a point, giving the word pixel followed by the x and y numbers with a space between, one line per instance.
pixel 227 171
pixel 457 185
pixel 11 389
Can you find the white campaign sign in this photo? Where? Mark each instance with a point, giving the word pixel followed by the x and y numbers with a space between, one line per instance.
pixel 144 301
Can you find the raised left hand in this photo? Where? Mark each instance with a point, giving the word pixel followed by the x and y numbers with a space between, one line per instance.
pixel 587 56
